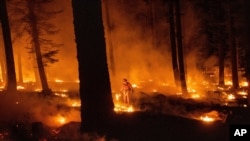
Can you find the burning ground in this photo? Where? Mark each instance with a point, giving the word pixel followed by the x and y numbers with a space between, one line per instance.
pixel 151 116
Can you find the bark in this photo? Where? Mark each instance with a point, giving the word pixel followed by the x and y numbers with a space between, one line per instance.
pixel 95 91
pixel 11 84
pixel 180 47
pixel 173 43
pixel 108 36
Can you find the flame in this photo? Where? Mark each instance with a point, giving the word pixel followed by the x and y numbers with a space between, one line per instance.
pixel 117 96
pixel 58 81
pixel 61 120
pixel 123 108
pixel 207 118
pixel 38 90
pixel 195 96
pixel 244 83
pixel 74 103
pixel 134 85
pixel 229 83
pixel 19 87
pixel 230 97
pixel 243 93
pixel 61 94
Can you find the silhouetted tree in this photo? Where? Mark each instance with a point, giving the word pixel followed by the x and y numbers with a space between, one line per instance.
pixel 180 47
pixel 231 10
pixel 95 91
pixel 11 84
pixel 32 18
pixel 246 38
pixel 213 26
pixel 172 36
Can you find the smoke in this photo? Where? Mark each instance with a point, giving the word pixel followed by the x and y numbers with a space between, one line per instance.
pixel 66 67
pixel 33 107
pixel 138 55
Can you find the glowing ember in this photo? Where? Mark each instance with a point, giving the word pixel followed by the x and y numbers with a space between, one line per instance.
pixel 230 97
pixel 64 90
pixel 117 96
pixel 154 90
pixel 207 118
pixel 38 90
pixel 192 90
pixel 195 96
pixel 229 83
pixel 243 93
pixel 134 86
pixel 61 94
pixel 58 81
pixel 123 108
pixel 20 87
pixel 74 103
pixel 244 84
pixel 164 84
pixel 61 120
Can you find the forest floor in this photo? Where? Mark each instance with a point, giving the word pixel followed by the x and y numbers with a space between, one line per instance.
pixel 170 119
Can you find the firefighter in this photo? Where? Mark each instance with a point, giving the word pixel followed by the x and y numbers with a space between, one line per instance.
pixel 126 91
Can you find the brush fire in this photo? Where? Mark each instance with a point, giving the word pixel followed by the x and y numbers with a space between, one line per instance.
pixel 147 96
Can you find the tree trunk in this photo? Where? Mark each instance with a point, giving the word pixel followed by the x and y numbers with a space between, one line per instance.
pixel 152 23
pixel 19 64
pixel 247 42
pixel 108 36
pixel 11 84
pixel 37 48
pixel 232 44
pixel 3 73
pixel 180 47
pixel 221 66
pixel 173 43
pixel 95 91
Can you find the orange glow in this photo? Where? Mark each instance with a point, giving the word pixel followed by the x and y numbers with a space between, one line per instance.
pixel 123 108
pixel 230 97
pixel 243 93
pixel 19 87
pixel 229 83
pixel 38 90
pixel 61 94
pixel 58 81
pixel 244 84
pixel 154 90
pixel 195 96
pixel 117 96
pixel 61 120
pixel 74 103
pixel 207 118
pixel 134 85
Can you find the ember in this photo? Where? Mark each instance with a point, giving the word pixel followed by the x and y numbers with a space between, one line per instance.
pixel 207 118
pixel 122 108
